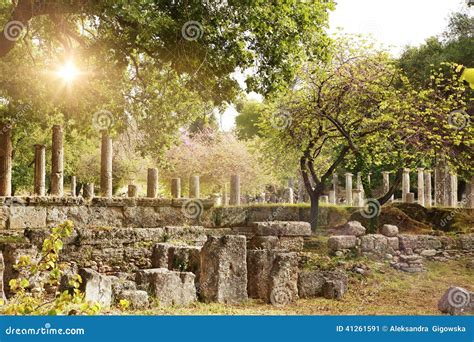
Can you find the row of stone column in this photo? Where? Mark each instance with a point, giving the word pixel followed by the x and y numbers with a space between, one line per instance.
pixel 57 163
pixel 446 188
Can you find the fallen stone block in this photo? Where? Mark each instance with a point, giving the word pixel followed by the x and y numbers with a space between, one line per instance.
pixel 311 284
pixel 389 230
pixel 96 287
pixel 169 287
pixel 354 228
pixel 457 301
pixel 340 242
pixel 282 228
pixel 138 299
pixel 374 243
pixel 223 273
pixel 334 289
pixel 291 244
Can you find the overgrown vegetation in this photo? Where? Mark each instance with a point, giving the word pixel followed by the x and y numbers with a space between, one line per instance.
pixel 35 290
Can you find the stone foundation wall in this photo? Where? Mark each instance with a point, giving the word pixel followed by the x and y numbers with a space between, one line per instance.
pixel 41 212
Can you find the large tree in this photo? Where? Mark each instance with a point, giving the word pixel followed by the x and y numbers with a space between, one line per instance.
pixel 361 112
pixel 147 67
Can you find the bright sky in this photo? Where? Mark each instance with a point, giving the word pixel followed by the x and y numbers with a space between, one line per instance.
pixel 395 23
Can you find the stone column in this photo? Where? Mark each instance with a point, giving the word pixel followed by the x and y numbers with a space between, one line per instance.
pixel 40 170
pixel 332 197
pixel 405 184
pixel 410 197
pixel 152 183
pixel 289 195
pixel 421 186
pixel 357 198
pixel 132 190
pixel 453 190
pixel 6 150
pixel 57 162
pixel 441 185
pixel 194 187
pixel 428 196
pixel 73 186
pixel 235 190
pixel 106 157
pixel 176 188
pixel 470 193
pixel 88 191
pixel 335 182
pixel 360 186
pixel 348 188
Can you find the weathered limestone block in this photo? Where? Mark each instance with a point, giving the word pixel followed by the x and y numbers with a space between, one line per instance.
pixel 340 242
pixel 11 256
pixel 121 284
pixel 272 276
pixel 259 266
pixel 285 243
pixel 354 228
pixel 96 287
pixel 457 301
pixel 291 244
pixel 408 242
pixel 223 276
pixel 374 243
pixel 334 289
pixel 284 279
pixel 428 242
pixel 263 242
pixel 185 259
pixel 389 230
pixel 169 287
pixel 159 256
pixel 282 228
pixel 138 299
pixel 27 217
pixel 312 284
pixel 393 244
pixel 466 242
